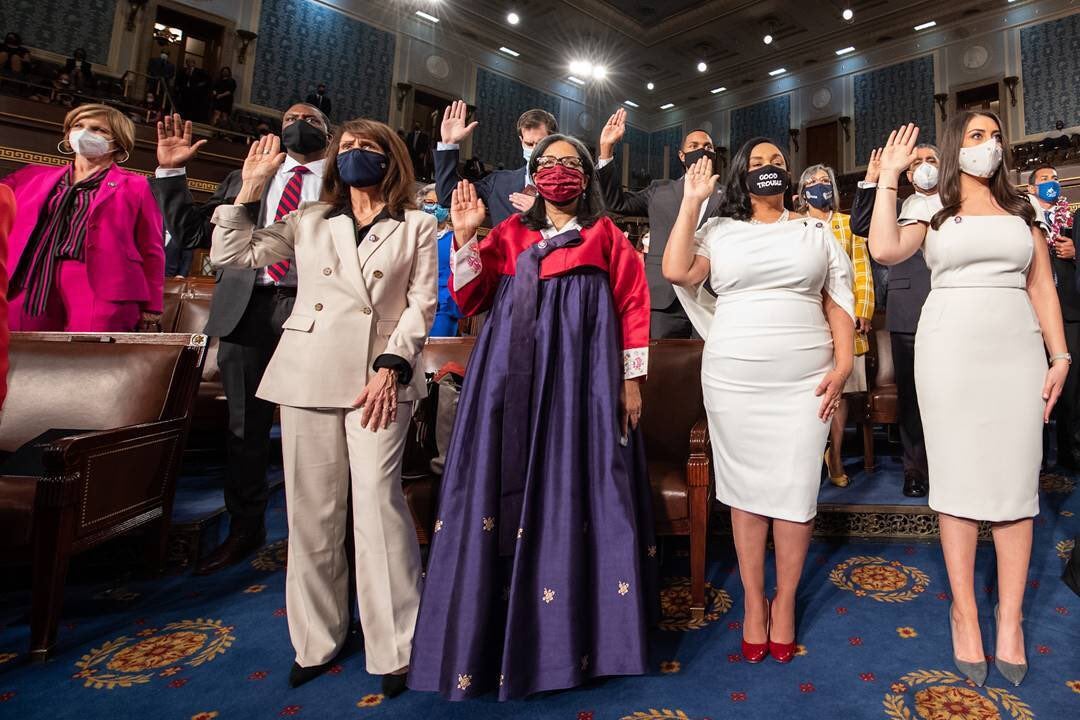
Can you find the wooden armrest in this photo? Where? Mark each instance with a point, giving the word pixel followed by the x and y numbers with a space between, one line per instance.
pixel 699 437
pixel 697 465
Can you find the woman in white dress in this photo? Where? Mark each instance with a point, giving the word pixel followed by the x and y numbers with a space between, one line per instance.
pixel 777 354
pixel 980 368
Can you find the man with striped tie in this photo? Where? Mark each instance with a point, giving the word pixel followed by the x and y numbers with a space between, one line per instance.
pixel 248 306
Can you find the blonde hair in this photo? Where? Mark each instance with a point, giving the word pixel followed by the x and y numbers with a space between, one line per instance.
pixel 120 126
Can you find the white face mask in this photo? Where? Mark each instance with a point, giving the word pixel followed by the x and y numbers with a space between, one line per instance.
pixel 982 160
pixel 526 152
pixel 925 176
pixel 88 144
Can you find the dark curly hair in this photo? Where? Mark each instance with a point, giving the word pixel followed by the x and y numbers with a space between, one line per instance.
pixel 736 196
pixel 590 206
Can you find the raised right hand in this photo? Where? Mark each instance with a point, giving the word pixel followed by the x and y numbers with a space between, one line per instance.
pixel 174 146
pixel 613 132
pixel 453 129
pixel 899 151
pixel 467 211
pixel 700 181
pixel 263 160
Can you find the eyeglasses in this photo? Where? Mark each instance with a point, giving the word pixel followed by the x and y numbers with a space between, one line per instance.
pixel 571 162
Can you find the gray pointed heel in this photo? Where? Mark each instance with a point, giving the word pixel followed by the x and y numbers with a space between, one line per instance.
pixel 974 671
pixel 1013 672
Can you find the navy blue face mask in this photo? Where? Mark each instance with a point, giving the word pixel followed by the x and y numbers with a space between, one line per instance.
pixel 361 168
pixel 819 196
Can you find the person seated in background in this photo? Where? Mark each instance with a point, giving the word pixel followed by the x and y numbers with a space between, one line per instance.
pixel 221 97
pixel 447 313
pixel 504 192
pixel 320 100
pixel 14 58
pixel 817 197
pixel 86 253
pixel 80 71
pixel 61 90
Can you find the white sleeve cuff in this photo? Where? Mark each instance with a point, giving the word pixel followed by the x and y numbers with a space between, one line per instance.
pixel 635 362
pixel 465 263
pixel 446 146
pixel 863 185
pixel 602 162
pixel 169 172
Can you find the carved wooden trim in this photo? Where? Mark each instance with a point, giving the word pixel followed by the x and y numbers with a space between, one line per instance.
pixel 34 158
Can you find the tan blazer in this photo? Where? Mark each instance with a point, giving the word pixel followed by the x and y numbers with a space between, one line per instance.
pixel 352 304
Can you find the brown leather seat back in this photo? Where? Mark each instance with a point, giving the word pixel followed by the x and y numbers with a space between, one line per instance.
pixel 672 399
pixel 886 372
pixel 193 314
pixel 174 290
pixel 83 385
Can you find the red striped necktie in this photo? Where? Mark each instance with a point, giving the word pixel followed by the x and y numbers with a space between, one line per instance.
pixel 290 200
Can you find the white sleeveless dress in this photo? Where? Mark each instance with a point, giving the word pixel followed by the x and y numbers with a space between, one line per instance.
pixel 766 350
pixel 980 366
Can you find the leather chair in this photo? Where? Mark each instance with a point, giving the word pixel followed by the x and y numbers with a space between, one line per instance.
pixel 130 396
pixel 881 401
pixel 679 452
pixel 210 413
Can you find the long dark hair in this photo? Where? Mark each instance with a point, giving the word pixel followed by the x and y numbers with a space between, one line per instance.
pixel 1005 195
pixel 590 206
pixel 396 188
pixel 736 197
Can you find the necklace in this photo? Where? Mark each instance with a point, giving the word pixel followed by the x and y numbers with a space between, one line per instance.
pixel 783 218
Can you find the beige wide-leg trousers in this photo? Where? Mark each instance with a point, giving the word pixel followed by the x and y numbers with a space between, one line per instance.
pixel 323 449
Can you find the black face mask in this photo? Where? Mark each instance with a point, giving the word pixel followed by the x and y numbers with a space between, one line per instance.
pixel 694 155
pixel 303 139
pixel 767 180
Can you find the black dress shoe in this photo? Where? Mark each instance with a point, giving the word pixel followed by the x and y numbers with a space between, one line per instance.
pixel 915 486
pixel 393 685
pixel 300 675
pixel 233 550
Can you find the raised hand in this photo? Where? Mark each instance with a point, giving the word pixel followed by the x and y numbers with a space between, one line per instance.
pixel 263 160
pixel 174 146
pixel 873 166
pixel 700 181
pixel 613 132
pixel 467 211
pixel 899 151
pixel 453 129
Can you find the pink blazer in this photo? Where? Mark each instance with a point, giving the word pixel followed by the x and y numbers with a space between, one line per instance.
pixel 125 246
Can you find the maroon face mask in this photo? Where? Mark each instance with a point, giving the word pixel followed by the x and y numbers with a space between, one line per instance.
pixel 559 184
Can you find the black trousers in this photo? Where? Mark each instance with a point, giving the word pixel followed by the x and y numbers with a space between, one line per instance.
pixel 1067 412
pixel 670 322
pixel 243 356
pixel 911 429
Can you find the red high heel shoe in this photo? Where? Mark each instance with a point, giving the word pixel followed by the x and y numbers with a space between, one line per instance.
pixel 756 652
pixel 781 652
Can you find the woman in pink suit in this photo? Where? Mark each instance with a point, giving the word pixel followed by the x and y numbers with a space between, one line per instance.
pixel 86 253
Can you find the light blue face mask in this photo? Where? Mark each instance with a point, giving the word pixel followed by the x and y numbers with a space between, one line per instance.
pixel 526 152
pixel 441 213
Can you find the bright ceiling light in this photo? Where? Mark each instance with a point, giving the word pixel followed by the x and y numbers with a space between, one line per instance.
pixel 702 67
pixel 509 52
pixel 925 25
pixel 650 86
pixel 630 103
pixel 575 80
pixel 767 39
pixel 424 16
pixel 513 18
pixel 777 71
pixel 581 67
pixel 848 14
pixel 714 91
pixel 845 51
pixel 599 72
pixel 667 106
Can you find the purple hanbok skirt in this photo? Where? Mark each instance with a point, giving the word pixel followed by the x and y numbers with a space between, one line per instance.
pixel 570 594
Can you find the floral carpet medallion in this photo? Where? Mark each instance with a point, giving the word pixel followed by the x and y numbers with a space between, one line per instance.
pixel 943 695
pixel 1064 548
pixel 675 606
pixel 879 579
pixel 272 557
pixel 654 714
pixel 128 661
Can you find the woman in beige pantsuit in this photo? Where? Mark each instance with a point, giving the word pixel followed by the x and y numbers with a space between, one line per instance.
pixel 367 267
pixel 980 366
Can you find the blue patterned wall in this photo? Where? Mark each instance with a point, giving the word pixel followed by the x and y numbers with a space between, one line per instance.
pixel 671 137
pixel 302 43
pixel 62 25
pixel 499 103
pixel 638 142
pixel 1050 68
pixel 771 119
pixel 890 97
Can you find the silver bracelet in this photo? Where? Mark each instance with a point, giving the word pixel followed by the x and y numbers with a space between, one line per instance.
pixel 1061 356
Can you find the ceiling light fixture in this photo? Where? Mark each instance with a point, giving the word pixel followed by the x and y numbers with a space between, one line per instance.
pixel 513 18
pixel 630 103
pixel 767 39
pixel 667 106
pixel 702 67
pixel 509 52
pixel 599 72
pixel 848 14
pixel 845 51
pixel 925 25
pixel 777 71
pixel 581 67
pixel 714 91
pixel 650 86
pixel 424 16
pixel 576 80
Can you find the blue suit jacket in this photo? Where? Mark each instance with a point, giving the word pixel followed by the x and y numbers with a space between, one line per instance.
pixel 494 189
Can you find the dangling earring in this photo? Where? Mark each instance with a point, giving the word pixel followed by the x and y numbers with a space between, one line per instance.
pixel 127 156
pixel 60 147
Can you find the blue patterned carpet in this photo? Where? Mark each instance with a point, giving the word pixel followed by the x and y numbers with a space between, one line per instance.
pixel 873 627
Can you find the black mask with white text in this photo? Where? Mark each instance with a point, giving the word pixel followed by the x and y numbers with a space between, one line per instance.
pixel 767 180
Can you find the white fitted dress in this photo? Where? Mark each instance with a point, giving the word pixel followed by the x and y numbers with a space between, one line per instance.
pixel 767 349
pixel 980 366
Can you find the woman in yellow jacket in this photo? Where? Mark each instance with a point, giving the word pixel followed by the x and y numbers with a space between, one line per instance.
pixel 818 198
